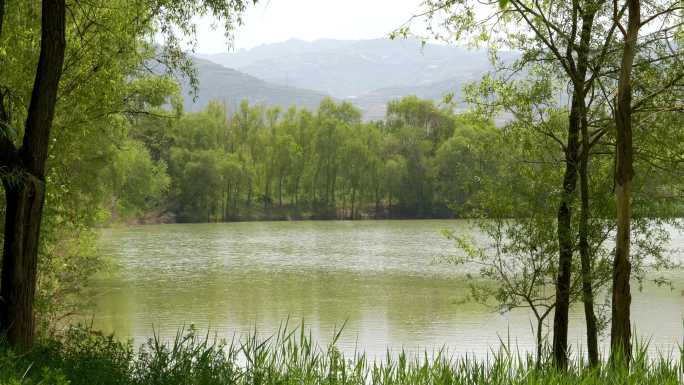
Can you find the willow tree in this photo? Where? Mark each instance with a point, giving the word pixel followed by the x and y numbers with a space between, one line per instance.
pixel 24 152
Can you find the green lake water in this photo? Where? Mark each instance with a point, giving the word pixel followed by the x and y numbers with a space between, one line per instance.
pixel 379 276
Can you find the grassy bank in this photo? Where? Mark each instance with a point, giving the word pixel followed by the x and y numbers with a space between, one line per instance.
pixel 81 356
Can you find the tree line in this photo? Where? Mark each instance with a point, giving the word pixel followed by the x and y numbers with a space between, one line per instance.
pixel 257 162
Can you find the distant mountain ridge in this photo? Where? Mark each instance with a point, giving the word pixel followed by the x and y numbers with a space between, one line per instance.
pixel 231 87
pixel 368 73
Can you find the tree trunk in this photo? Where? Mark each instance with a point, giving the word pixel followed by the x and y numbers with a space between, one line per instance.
pixel 577 121
pixel 249 195
pixel 620 330
pixel 585 254
pixel 267 192
pixel 377 202
pixel 565 242
pixel 226 208
pixel 236 201
pixel 296 191
pixel 19 263
pixel 540 341
pixel 280 191
pixel 25 197
pixel 333 195
pixel 343 213
pixel 353 198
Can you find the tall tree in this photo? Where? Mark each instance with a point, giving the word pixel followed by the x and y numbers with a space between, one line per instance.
pixel 579 97
pixel 24 166
pixel 561 34
pixel 576 37
pixel 620 330
pixel 26 194
pixel 639 58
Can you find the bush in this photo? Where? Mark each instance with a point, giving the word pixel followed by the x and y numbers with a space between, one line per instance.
pixel 87 357
pixel 17 369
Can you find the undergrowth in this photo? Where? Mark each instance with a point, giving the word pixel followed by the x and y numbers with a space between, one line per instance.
pixel 80 356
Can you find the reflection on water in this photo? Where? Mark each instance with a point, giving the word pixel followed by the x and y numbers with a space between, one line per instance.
pixel 379 276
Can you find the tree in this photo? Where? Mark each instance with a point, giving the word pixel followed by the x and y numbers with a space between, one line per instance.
pixel 25 194
pixel 577 39
pixel 551 33
pixel 515 260
pixel 620 325
pixel 139 181
pixel 460 164
pixel 355 155
pixel 668 18
pixel 24 181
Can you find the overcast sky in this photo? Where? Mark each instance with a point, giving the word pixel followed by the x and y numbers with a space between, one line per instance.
pixel 278 20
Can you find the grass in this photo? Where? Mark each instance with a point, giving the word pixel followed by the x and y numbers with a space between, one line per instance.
pixel 81 356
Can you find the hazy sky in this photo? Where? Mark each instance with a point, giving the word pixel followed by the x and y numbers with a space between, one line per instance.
pixel 279 20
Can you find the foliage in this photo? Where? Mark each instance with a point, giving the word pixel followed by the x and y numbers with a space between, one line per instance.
pixel 291 357
pixel 114 71
pixel 593 55
pixel 517 197
pixel 139 181
pixel 257 162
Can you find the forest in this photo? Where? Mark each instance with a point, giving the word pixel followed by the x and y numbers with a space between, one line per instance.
pixel 567 160
pixel 264 163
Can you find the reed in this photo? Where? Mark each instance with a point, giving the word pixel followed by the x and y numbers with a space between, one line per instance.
pixel 291 356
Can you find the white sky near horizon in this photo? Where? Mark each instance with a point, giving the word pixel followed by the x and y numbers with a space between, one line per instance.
pixel 272 21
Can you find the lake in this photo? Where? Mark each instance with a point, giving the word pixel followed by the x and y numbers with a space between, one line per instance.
pixel 380 277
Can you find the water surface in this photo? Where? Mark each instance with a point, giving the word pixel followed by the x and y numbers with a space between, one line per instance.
pixel 378 276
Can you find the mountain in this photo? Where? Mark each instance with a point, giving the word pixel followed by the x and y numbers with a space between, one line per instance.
pixel 368 73
pixel 229 86
pixel 349 69
pixel 374 103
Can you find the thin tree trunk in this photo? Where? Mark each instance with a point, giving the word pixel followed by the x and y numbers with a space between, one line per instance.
pixel 621 333
pixel 227 204
pixel 267 192
pixel 353 198
pixel 577 122
pixel 565 243
pixel 333 195
pixel 343 214
pixel 236 202
pixel 585 254
pixel 280 191
pixel 377 202
pixel 327 184
pixel 25 197
pixel 249 195
pixel 296 191
pixel 540 341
